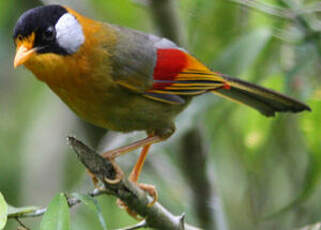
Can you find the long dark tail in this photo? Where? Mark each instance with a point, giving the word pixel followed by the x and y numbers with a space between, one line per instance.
pixel 264 100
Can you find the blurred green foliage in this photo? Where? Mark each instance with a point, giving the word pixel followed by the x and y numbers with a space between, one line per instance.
pixel 257 166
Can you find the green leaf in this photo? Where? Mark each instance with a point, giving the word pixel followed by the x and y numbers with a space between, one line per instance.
pixel 57 216
pixel 92 204
pixel 3 211
pixel 16 212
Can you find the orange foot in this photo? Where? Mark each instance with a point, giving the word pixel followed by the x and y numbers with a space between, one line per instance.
pixel 119 173
pixel 111 155
pixel 119 176
pixel 150 189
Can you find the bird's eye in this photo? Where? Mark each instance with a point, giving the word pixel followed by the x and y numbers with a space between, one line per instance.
pixel 49 34
pixel 19 38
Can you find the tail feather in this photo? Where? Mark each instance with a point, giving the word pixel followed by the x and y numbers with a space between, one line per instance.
pixel 267 101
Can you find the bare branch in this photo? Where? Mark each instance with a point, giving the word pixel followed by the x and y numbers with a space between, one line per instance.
pixel 136 199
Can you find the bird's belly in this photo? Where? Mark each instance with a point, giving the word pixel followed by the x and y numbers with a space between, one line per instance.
pixel 121 110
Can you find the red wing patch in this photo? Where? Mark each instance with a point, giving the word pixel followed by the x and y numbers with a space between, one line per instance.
pixel 177 72
pixel 170 62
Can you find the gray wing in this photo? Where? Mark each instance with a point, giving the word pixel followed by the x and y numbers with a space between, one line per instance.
pixel 135 57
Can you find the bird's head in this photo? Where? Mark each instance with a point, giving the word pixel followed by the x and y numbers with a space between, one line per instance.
pixel 47 30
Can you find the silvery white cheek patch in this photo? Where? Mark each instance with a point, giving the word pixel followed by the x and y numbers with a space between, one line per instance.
pixel 70 35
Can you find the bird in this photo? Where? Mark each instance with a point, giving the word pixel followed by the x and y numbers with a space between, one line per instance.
pixel 125 80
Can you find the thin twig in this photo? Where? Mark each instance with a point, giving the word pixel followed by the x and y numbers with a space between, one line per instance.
pixel 22 225
pixel 70 200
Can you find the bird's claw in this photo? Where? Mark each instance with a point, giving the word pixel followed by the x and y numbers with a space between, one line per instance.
pixel 95 181
pixel 119 174
pixel 151 190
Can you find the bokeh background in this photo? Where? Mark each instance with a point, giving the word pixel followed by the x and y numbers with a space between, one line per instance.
pixel 227 167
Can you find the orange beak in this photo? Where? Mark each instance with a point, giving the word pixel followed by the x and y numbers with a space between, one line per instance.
pixel 22 55
pixel 24 50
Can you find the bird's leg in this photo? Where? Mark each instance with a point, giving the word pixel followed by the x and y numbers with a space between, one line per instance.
pixel 134 175
pixel 111 155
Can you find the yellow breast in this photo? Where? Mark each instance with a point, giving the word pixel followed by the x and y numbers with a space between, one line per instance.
pixel 82 79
